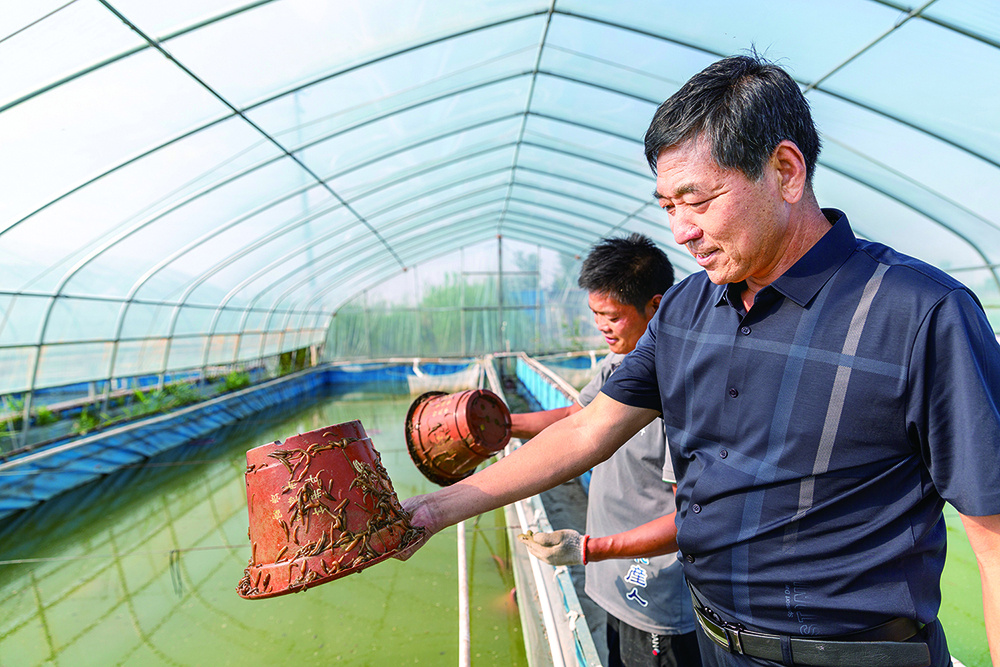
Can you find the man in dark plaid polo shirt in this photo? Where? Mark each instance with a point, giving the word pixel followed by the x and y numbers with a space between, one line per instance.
pixel 823 398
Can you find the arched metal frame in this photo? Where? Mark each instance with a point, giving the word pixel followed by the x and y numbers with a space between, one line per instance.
pixel 390 245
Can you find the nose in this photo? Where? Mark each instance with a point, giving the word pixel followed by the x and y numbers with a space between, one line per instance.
pixel 602 324
pixel 682 228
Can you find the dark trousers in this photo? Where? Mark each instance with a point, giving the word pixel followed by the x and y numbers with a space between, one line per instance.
pixel 714 655
pixel 629 646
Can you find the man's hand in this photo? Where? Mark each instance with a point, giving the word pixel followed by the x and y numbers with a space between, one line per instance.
pixel 562 547
pixel 423 519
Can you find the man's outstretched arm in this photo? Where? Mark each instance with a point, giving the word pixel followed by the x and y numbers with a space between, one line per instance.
pixel 561 452
pixel 568 547
pixel 526 425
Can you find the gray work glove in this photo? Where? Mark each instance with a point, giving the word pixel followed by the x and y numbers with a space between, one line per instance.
pixel 562 547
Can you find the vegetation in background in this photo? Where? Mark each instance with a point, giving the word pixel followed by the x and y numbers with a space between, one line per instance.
pixel 44 416
pixel 89 420
pixel 296 360
pixel 171 397
pixel 118 408
pixel 461 316
pixel 180 394
pixel 140 404
pixel 235 380
pixel 14 407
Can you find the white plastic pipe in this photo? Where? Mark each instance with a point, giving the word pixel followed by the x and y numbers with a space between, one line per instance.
pixel 464 635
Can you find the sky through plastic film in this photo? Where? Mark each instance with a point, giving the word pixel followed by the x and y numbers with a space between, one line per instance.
pixel 211 170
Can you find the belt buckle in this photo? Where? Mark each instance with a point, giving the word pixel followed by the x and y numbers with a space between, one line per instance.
pixel 733 636
pixel 731 631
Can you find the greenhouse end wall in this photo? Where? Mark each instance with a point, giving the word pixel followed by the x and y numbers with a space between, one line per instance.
pixel 386 332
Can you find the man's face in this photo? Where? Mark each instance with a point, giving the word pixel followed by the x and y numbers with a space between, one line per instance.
pixel 621 324
pixel 734 227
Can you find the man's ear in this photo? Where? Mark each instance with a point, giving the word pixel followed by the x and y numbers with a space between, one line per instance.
pixel 790 165
pixel 651 307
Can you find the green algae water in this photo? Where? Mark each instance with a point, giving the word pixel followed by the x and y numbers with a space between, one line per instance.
pixel 141 567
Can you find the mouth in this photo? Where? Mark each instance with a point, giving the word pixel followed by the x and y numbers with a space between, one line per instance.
pixel 703 258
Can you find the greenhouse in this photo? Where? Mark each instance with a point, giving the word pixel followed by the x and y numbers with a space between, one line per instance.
pixel 227 222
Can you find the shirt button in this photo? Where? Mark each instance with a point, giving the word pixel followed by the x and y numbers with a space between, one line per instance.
pixel 745 331
pixel 733 392
pixel 723 453
pixel 689 558
pixel 696 508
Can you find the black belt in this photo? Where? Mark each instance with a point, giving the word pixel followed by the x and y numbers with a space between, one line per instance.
pixel 883 645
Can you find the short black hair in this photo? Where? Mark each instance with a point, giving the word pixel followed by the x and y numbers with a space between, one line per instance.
pixel 744 106
pixel 631 269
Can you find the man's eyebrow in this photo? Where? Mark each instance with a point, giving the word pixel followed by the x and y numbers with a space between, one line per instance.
pixel 685 189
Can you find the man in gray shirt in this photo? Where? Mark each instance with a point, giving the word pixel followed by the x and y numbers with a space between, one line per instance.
pixel 650 617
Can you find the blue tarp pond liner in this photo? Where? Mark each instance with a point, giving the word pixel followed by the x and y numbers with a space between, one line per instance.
pixel 42 474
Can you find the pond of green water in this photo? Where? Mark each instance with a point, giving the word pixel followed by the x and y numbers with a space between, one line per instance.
pixel 141 568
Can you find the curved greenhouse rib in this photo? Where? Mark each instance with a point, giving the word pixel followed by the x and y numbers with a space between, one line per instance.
pixel 447 245
pixel 116 236
pixel 919 186
pixel 252 124
pixel 350 248
pixel 130 296
pixel 36 22
pixel 556 241
pixel 445 242
pixel 130 52
pixel 936 219
pixel 524 117
pixel 251 306
pixel 218 121
pixel 913 126
pixel 580 16
pixel 910 13
pixel 979 37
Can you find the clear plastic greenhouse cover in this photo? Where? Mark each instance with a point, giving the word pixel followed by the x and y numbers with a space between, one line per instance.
pixel 197 186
